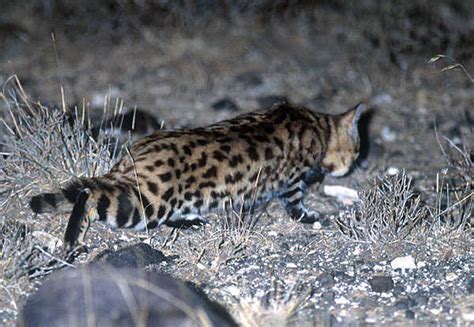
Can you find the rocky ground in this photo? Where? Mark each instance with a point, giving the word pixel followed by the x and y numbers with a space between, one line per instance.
pixel 402 255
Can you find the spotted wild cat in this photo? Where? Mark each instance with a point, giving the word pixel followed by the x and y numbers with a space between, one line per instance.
pixel 178 175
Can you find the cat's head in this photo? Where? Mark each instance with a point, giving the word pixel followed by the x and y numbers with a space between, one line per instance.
pixel 343 145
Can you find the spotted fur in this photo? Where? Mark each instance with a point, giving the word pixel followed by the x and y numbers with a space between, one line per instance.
pixel 180 175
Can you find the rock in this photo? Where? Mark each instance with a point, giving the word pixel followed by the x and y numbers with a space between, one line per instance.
pixel 392 171
pixel 342 276
pixel 101 295
pixel 225 104
pixel 451 276
pixel 325 280
pixel 343 194
pixel 403 263
pixel 421 299
pixel 328 296
pixel 251 79
pixel 470 285
pixel 398 289
pixel 401 305
pixel 381 283
pixel 138 255
pixel 388 135
pixel 269 100
pixel 409 314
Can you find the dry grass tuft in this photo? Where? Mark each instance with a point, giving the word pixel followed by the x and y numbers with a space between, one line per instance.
pixel 217 243
pixel 389 211
pixel 277 309
pixel 392 211
pixel 41 149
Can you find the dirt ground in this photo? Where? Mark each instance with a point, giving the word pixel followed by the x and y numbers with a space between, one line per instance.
pixel 179 62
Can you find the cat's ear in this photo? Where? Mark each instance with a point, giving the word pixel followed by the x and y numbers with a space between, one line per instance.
pixel 350 118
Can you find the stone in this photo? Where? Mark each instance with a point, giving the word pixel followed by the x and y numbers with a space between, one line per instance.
pixel 403 263
pixel 470 285
pixel 225 104
pixel 328 296
pixel 381 283
pixel 138 255
pixel 102 295
pixel 325 280
pixel 409 314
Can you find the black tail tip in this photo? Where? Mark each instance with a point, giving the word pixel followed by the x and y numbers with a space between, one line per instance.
pixel 36 204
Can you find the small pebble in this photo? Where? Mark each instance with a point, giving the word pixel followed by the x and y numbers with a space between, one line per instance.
pixel 388 135
pixel 392 171
pixel 409 314
pixel 381 283
pixel 451 276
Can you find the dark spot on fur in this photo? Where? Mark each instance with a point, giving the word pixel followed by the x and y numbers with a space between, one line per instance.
pixel 161 212
pixel 219 156
pixel 202 142
pixel 278 142
pixel 268 154
pixel 235 160
pixel 203 160
pixel 152 224
pixel 125 208
pixel 167 195
pixel 102 206
pixel 150 168
pixel 198 203
pixel 158 163
pixel 210 173
pixel 152 187
pixel 206 184
pixel 187 150
pixel 234 179
pixel 165 177
pixel 252 152
pixel 171 162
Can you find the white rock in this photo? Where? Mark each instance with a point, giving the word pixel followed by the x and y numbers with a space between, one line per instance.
pixel 421 264
pixel 341 300
pixel 391 171
pixel 451 276
pixel 468 315
pixel 232 290
pixel 343 194
pixel 317 225
pixel 403 263
pixel 291 265
pixel 436 311
pixel 388 134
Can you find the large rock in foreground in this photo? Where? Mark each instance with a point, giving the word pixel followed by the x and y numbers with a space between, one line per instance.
pixel 101 295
